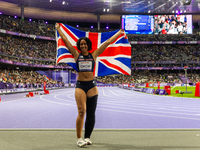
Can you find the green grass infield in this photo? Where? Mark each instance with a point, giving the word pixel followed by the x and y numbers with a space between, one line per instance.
pixel 180 88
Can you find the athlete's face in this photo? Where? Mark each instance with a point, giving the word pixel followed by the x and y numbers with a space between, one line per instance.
pixel 83 46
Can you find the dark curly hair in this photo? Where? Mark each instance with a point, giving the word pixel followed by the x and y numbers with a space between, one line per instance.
pixel 88 41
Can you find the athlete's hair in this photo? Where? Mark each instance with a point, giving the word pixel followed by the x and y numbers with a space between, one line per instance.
pixel 88 41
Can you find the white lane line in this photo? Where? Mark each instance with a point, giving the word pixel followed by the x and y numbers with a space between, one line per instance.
pixel 130 111
pixel 5 102
pixel 128 104
pixel 155 115
pixel 103 91
pixel 112 92
pixel 122 92
pixel 133 105
pixel 41 97
pixel 146 110
pixel 70 96
pixel 66 100
pixel 133 98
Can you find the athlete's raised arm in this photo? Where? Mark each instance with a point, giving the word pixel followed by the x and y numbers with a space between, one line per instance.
pixel 97 52
pixel 72 50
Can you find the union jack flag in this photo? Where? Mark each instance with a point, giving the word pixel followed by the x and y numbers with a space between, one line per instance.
pixel 116 58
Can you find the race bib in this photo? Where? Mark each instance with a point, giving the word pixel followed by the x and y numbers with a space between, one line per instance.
pixel 85 66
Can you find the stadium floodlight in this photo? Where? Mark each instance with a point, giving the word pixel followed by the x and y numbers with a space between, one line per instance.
pixel 126 1
pixel 186 2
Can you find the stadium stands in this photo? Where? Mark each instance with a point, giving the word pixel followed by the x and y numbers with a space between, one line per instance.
pixel 25 79
pixel 43 52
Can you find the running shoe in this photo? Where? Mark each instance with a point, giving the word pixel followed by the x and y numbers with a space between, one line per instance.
pixel 88 141
pixel 81 142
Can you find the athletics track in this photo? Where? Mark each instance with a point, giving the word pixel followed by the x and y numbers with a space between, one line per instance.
pixel 116 109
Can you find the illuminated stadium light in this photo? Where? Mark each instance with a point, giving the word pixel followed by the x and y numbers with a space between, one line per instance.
pixel 104 10
pixel 186 2
pixel 181 11
pixel 172 11
pixel 149 11
pixel 50 1
pixel 1 13
pixel 63 2
pixel 108 10
pixel 92 27
pixel 46 22
pixel 176 11
pixel 15 16
pixel 77 26
pixel 184 11
pixel 30 20
pixel 107 27
pixel 126 1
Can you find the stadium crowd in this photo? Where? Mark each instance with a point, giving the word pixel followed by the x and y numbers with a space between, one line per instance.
pixel 194 77
pixel 44 29
pixel 170 24
pixel 150 77
pixel 28 79
pixel 43 52
pixel 27 50
pixel 178 53
pixel 25 79
pixel 39 27
pixel 165 37
pixel 27 47
pixel 26 26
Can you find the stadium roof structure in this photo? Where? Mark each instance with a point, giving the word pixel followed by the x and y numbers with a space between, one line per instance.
pixel 88 9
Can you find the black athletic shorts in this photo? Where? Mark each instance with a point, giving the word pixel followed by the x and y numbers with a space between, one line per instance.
pixel 85 85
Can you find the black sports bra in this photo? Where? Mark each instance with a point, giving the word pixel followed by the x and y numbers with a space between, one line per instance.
pixel 85 63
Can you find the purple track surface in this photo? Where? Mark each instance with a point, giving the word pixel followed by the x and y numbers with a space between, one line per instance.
pixel 116 109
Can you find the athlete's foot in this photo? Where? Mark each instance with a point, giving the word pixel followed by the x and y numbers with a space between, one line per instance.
pixel 81 142
pixel 88 141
